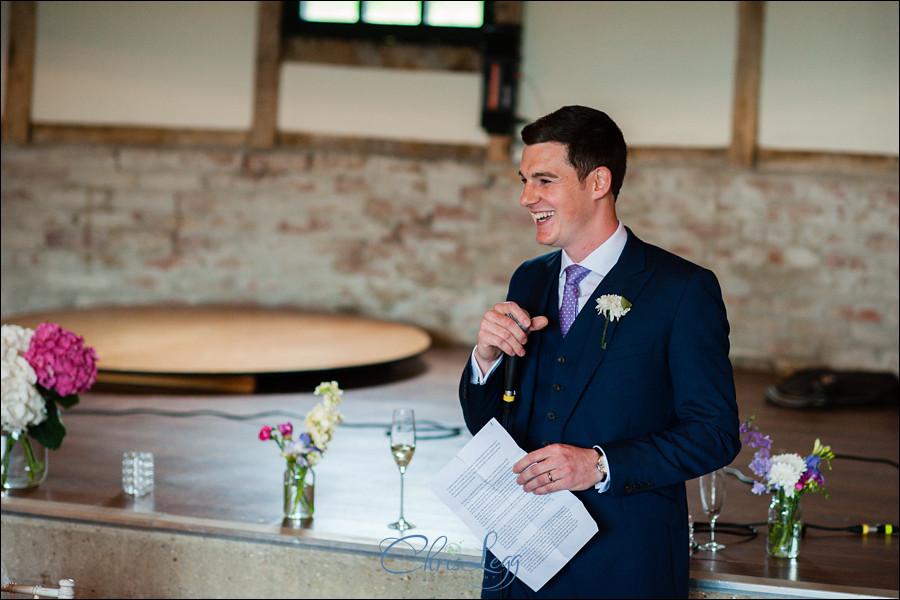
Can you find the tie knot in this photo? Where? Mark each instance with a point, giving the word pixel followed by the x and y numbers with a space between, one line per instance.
pixel 575 273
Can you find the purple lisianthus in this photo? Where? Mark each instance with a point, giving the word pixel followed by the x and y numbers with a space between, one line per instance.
pixel 286 429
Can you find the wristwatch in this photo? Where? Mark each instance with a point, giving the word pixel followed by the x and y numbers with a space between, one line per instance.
pixel 601 465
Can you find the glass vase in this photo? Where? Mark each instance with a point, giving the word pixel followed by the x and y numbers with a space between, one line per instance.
pixel 24 462
pixel 784 526
pixel 299 493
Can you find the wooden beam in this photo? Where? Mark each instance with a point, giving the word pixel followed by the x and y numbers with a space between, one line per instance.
pixel 268 68
pixel 745 116
pixel 16 125
pixel 377 54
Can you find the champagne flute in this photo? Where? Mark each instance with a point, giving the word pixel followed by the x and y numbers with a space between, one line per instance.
pixel 712 497
pixel 403 445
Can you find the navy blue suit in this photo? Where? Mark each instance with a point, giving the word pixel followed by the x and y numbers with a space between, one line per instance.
pixel 659 399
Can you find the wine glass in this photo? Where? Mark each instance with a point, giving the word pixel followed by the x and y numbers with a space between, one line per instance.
pixel 712 497
pixel 403 445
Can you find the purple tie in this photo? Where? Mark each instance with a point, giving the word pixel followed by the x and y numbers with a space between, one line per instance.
pixel 568 310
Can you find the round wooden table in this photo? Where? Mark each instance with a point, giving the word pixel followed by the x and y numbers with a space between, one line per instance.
pixel 182 344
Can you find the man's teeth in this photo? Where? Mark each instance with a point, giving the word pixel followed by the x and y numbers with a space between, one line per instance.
pixel 543 216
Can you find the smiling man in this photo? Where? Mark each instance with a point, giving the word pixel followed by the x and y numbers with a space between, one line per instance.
pixel 626 388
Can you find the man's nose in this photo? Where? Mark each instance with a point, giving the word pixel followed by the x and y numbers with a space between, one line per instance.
pixel 528 196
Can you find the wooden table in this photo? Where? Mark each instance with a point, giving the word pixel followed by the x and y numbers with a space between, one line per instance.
pixel 215 476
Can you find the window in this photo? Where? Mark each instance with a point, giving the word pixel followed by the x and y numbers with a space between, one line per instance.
pixel 467 35
pixel 455 23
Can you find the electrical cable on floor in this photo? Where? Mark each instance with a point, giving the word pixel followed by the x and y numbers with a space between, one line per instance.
pixel 425 429
pixel 750 528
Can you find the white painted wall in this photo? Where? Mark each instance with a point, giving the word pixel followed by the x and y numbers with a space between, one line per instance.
pixel 663 70
pixel 830 77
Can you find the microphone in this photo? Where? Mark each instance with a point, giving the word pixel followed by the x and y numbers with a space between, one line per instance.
pixel 511 380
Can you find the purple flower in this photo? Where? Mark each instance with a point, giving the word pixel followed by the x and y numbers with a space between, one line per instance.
pixel 761 464
pixel 759 488
pixel 810 473
pixel 286 429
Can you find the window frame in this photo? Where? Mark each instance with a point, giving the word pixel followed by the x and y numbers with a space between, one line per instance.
pixel 293 26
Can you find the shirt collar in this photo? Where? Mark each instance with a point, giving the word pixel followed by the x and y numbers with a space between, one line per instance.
pixel 604 257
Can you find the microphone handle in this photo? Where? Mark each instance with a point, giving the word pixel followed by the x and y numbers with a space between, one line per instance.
pixel 511 383
pixel 511 380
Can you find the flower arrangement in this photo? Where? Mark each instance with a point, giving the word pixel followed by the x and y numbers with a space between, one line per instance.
pixel 612 307
pixel 787 476
pixel 41 369
pixel 306 451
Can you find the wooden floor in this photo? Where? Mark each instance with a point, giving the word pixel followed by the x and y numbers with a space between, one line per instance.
pixel 214 476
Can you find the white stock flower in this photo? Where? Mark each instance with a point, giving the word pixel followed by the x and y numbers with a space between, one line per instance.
pixel 785 472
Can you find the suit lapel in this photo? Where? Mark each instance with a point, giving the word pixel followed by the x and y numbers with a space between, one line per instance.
pixel 538 302
pixel 627 278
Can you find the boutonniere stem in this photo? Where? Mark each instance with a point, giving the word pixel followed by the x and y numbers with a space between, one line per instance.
pixel 612 307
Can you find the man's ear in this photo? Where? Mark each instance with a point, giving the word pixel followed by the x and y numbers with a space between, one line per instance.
pixel 601 182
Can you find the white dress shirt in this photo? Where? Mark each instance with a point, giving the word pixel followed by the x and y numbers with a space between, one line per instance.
pixel 600 262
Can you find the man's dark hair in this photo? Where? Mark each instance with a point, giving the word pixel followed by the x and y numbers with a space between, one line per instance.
pixel 593 140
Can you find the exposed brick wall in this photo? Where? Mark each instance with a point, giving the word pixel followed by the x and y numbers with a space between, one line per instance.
pixel 807 258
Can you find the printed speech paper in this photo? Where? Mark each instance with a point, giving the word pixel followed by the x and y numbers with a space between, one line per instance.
pixel 533 536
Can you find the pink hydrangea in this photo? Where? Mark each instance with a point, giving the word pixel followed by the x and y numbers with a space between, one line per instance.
pixel 61 360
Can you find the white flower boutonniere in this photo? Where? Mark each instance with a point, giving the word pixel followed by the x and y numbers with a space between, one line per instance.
pixel 612 307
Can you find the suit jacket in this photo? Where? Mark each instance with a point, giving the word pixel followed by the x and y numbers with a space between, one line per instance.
pixel 659 398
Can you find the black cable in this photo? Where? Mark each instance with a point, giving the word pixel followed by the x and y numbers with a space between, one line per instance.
pixel 750 529
pixel 886 461
pixel 863 528
pixel 730 528
pixel 431 429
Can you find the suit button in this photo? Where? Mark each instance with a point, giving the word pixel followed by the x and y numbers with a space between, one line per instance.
pixel 561 360
pixel 556 387
pixel 551 415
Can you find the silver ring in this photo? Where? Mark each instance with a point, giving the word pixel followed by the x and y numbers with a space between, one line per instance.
pixel 549 476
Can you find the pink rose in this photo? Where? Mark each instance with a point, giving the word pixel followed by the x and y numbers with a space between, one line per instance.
pixel 265 433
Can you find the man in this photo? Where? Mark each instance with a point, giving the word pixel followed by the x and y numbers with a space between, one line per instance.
pixel 635 398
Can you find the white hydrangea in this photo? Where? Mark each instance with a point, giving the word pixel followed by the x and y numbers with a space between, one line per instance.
pixel 785 472
pixel 15 341
pixel 21 405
